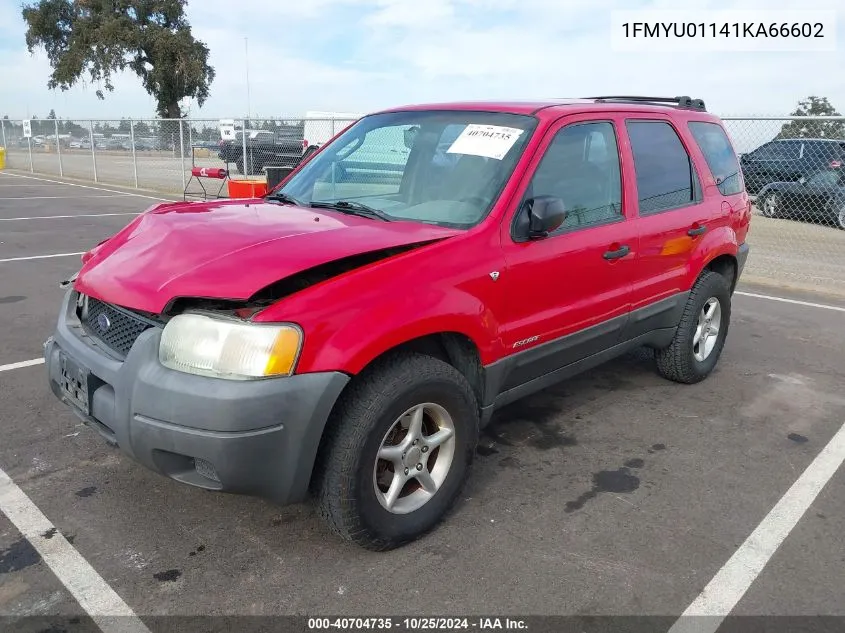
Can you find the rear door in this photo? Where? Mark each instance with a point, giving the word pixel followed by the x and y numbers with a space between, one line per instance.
pixel 673 216
pixel 568 294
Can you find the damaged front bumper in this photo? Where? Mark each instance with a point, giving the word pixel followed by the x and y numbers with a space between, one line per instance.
pixel 256 437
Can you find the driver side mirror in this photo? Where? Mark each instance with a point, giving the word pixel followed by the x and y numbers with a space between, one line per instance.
pixel 545 215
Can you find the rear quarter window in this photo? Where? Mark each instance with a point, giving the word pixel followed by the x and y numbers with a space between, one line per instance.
pixel 719 154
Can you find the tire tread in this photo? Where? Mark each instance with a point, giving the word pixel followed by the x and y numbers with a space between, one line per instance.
pixel 350 423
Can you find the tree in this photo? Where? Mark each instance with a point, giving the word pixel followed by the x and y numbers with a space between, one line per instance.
pixel 803 128
pixel 152 38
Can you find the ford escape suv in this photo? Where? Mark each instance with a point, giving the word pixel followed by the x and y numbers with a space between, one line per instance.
pixel 345 337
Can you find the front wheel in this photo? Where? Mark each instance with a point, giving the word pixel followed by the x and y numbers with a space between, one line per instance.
pixel 839 216
pixel 701 333
pixel 770 205
pixel 397 452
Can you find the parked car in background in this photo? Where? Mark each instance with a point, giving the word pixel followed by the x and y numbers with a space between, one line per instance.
pixel 787 160
pixel 819 198
pixel 350 334
pixel 263 147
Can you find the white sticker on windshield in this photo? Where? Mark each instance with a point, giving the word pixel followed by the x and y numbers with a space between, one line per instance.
pixel 490 141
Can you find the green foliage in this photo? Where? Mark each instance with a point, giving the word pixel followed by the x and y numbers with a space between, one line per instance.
pixel 814 106
pixel 100 38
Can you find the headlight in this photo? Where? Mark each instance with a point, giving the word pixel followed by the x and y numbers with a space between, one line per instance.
pixel 223 348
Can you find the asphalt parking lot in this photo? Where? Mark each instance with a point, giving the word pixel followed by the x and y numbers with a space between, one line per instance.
pixel 616 493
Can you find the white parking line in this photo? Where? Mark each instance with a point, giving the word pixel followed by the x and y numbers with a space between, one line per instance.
pixel 22 364
pixel 89 589
pixel 73 184
pixel 808 304
pixel 20 259
pixel 79 215
pixel 724 592
pixel 116 195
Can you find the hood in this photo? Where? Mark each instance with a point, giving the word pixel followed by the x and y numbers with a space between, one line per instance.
pixel 229 250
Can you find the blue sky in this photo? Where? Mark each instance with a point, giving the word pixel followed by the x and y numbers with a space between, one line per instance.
pixel 360 55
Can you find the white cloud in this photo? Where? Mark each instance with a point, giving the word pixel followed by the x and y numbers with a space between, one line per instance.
pixel 359 55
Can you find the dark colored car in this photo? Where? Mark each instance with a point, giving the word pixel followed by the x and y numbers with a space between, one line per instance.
pixel 263 148
pixel 819 199
pixel 787 160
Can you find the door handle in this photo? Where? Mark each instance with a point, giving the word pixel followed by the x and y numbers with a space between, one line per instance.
pixel 619 252
pixel 698 230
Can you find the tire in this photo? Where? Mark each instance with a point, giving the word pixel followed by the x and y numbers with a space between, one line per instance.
pixel 689 361
pixel 345 481
pixel 239 164
pixel 839 216
pixel 769 205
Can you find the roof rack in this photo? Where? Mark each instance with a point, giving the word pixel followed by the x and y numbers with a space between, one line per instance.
pixel 682 102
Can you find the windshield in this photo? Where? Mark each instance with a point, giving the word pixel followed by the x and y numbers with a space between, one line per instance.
pixel 438 167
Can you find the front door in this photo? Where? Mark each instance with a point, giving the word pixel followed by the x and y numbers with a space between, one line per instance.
pixel 568 294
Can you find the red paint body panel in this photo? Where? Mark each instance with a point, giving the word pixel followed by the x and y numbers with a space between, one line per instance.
pixel 548 288
pixel 229 250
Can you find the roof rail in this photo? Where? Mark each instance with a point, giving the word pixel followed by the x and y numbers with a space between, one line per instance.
pixel 682 102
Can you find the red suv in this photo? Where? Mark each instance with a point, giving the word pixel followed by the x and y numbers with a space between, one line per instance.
pixel 348 335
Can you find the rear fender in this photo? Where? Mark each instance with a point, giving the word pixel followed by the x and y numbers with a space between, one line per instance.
pixel 721 241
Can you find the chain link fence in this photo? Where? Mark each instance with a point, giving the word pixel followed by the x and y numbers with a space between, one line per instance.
pixel 794 169
pixel 792 166
pixel 159 154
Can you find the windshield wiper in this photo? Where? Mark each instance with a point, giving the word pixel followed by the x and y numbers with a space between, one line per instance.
pixel 283 198
pixel 353 208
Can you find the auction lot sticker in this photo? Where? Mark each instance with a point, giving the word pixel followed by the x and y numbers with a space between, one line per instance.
pixel 490 141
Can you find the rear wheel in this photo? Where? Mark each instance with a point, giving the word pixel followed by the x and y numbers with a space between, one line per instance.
pixel 398 450
pixel 701 333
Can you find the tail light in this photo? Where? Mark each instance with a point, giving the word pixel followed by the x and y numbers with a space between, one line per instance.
pixel 304 144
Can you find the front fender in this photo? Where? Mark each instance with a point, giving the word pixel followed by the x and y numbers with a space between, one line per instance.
pixel 353 338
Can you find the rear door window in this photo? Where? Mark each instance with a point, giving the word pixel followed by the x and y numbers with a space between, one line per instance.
pixel 719 154
pixel 665 174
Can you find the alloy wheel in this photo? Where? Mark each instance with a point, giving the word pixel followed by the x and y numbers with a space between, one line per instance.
pixel 414 458
pixel 707 330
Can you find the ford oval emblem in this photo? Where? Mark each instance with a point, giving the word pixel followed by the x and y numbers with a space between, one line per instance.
pixel 103 323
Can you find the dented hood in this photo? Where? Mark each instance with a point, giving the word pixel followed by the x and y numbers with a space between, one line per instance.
pixel 229 250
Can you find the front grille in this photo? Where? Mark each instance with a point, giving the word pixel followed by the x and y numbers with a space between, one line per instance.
pixel 117 328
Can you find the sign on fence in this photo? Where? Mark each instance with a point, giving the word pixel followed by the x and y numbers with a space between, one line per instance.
pixel 27 128
pixel 227 129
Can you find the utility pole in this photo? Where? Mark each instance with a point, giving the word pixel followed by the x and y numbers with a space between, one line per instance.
pixel 246 53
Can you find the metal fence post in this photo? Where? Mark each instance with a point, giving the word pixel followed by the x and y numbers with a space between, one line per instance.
pixel 3 128
pixel 93 154
pixel 244 160
pixel 29 143
pixel 132 143
pixel 59 149
pixel 182 153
